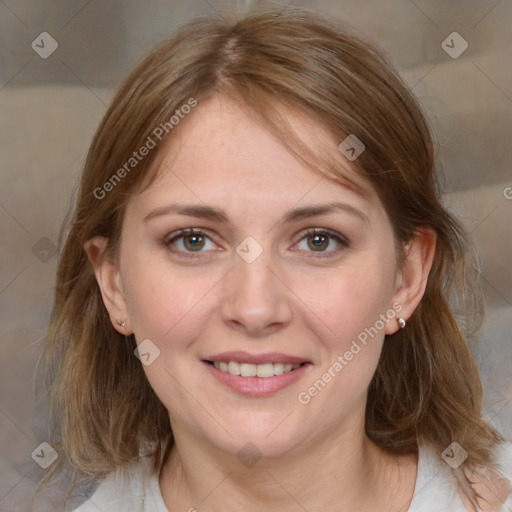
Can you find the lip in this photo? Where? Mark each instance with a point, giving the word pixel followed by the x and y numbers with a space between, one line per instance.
pixel 246 357
pixel 258 386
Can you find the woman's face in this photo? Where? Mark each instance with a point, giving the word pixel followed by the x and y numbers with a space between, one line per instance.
pixel 276 268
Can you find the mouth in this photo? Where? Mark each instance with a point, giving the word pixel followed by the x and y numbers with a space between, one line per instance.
pixel 264 370
pixel 256 375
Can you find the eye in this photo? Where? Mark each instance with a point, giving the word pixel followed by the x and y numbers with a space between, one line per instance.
pixel 190 240
pixel 322 241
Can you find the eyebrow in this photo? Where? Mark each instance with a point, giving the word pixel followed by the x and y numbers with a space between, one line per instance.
pixel 192 210
pixel 323 209
pixel 216 214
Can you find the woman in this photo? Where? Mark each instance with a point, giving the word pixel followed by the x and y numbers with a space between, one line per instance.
pixel 252 302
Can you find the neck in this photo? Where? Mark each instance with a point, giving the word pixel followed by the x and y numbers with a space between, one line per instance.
pixel 347 472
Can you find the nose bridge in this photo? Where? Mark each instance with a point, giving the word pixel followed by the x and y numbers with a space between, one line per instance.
pixel 254 276
pixel 256 299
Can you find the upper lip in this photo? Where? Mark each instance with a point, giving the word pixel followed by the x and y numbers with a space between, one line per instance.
pixel 246 357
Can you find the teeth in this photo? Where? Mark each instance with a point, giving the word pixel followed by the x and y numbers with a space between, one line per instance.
pixel 278 368
pixel 265 370
pixel 248 370
pixel 233 368
pixel 252 370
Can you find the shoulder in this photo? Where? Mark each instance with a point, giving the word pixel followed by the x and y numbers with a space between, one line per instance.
pixel 503 459
pixel 132 488
pixel 493 485
pixel 437 487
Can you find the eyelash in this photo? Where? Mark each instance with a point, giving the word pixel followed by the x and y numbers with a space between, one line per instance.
pixel 343 242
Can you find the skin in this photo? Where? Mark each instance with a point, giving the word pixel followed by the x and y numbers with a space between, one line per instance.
pixel 292 299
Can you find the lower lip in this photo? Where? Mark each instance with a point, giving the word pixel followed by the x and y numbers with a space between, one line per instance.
pixel 257 386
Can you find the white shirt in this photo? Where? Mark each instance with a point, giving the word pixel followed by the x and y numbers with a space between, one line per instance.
pixel 134 489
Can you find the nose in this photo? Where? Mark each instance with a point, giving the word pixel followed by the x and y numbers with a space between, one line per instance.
pixel 256 299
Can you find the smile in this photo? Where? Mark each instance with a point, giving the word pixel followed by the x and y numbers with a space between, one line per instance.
pixel 256 375
pixel 264 370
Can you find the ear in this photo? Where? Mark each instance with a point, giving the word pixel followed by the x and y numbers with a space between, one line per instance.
pixel 110 283
pixel 412 278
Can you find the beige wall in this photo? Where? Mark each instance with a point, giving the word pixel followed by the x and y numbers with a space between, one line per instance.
pixel 50 108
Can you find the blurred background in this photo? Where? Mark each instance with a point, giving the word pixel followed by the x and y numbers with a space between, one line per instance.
pixel 59 64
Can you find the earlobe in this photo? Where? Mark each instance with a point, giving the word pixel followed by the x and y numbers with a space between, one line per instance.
pixel 110 283
pixel 419 256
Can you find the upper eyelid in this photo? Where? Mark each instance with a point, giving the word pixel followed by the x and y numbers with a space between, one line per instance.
pixel 324 231
pixel 187 231
pixel 339 237
pixel 181 233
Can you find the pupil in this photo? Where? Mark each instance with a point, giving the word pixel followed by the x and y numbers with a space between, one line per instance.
pixel 318 242
pixel 194 242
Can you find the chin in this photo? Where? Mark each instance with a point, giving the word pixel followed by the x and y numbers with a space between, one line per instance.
pixel 256 439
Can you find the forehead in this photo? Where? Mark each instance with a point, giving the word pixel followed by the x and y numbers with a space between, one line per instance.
pixel 223 152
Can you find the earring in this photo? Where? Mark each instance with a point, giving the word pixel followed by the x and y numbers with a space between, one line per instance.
pixel 121 324
pixel 401 323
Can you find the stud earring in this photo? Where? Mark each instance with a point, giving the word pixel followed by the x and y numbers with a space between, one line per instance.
pixel 121 324
pixel 401 323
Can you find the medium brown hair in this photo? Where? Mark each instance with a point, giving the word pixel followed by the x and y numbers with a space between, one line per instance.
pixel 426 386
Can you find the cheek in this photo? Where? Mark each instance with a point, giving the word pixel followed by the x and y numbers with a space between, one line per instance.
pixel 171 309
pixel 166 303
pixel 346 311
pixel 345 314
pixel 347 302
